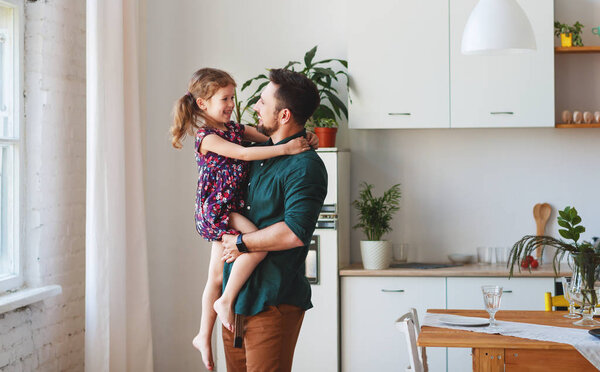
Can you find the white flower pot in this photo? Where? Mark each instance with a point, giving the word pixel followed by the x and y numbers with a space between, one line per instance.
pixel 376 255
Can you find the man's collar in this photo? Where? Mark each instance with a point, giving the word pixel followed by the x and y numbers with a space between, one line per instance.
pixel 301 133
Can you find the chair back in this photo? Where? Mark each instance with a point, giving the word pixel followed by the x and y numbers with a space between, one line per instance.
pixel 408 324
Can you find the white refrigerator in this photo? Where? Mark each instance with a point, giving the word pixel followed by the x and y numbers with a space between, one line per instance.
pixel 318 347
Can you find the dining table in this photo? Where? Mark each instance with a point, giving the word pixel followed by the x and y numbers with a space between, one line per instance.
pixel 495 352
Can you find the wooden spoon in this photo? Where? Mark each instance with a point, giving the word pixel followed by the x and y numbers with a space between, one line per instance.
pixel 541 214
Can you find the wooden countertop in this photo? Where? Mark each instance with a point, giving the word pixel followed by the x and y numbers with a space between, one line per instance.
pixel 470 270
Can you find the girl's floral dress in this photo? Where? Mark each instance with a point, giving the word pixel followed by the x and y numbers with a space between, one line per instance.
pixel 220 184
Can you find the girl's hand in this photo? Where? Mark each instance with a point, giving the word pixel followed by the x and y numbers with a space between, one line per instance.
pixel 296 146
pixel 230 251
pixel 313 140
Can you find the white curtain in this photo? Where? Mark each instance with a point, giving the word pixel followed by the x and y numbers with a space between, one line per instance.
pixel 117 308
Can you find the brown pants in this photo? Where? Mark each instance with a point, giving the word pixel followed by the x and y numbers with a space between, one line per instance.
pixel 269 341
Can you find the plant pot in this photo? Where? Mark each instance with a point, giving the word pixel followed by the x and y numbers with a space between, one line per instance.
pixel 326 136
pixel 566 40
pixel 376 255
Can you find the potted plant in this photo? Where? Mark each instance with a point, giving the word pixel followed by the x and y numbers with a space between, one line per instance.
pixel 585 256
pixel 325 129
pixel 324 74
pixel 375 215
pixel 569 35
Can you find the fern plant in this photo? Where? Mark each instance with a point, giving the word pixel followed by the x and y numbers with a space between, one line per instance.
pixel 375 213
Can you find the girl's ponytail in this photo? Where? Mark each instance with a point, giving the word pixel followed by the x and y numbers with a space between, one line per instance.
pixel 186 113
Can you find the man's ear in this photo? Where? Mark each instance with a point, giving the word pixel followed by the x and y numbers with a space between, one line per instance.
pixel 285 115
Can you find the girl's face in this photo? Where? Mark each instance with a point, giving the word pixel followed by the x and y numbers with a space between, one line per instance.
pixel 220 106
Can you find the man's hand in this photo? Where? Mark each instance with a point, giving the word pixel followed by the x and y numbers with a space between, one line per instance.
pixel 230 251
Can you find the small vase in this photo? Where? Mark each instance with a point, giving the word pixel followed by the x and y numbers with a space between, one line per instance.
pixel 566 40
pixel 586 295
pixel 326 136
pixel 376 255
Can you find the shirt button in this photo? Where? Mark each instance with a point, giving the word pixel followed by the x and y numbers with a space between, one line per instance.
pixel 261 164
pixel 248 207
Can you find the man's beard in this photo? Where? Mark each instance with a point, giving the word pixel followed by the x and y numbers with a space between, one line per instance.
pixel 264 130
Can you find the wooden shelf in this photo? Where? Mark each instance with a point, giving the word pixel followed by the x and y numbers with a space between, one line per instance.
pixel 592 125
pixel 583 49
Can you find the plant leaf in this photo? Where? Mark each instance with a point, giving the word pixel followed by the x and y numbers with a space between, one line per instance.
pixel 291 64
pixel 563 223
pixel 336 102
pixel 565 234
pixel 308 57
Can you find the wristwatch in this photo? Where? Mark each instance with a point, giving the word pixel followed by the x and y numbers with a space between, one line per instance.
pixel 240 245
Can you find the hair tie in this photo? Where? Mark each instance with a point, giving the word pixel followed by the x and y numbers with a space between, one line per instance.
pixel 189 94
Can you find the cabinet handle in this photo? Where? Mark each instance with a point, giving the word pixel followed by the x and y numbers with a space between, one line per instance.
pixel 507 291
pixel 399 113
pixel 393 290
pixel 502 113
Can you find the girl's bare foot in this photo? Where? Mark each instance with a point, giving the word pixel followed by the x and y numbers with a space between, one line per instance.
pixel 225 313
pixel 203 344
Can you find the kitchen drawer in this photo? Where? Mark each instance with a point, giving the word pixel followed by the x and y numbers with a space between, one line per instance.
pixel 370 306
pixel 520 294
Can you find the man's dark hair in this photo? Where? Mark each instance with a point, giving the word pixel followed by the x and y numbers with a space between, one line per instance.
pixel 296 93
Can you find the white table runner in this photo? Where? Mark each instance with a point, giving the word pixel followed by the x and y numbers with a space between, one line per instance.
pixel 580 339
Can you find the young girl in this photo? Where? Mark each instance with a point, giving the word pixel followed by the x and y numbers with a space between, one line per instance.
pixel 222 168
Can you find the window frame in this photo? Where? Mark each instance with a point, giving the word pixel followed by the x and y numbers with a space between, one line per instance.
pixel 15 280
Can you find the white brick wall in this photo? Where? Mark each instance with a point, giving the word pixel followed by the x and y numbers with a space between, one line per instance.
pixel 49 336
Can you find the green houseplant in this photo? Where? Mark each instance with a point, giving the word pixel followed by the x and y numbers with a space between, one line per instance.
pixel 375 216
pixel 585 256
pixel 569 35
pixel 325 74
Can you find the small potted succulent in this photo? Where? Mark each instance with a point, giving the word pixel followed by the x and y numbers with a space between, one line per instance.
pixel 325 129
pixel 375 215
pixel 569 35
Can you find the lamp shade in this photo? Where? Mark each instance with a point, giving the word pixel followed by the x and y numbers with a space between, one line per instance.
pixel 497 27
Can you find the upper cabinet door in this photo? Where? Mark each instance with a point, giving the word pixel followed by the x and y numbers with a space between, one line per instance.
pixel 503 90
pixel 398 64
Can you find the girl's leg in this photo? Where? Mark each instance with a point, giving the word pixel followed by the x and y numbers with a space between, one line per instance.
pixel 243 266
pixel 212 291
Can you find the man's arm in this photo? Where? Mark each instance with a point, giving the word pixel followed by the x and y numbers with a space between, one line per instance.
pixel 304 192
pixel 277 237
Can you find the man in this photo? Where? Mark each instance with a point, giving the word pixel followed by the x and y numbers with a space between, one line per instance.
pixel 284 198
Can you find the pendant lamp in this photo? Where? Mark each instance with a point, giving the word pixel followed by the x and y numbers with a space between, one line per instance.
pixel 497 27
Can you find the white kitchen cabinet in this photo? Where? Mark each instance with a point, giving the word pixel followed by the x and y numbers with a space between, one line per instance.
pixel 519 294
pixel 398 64
pixel 407 71
pixel 370 306
pixel 503 90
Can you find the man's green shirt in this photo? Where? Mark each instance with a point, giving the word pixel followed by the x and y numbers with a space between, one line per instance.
pixel 292 189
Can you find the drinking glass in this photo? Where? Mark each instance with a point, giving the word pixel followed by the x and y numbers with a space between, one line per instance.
pixel 567 284
pixel 491 299
pixel 484 255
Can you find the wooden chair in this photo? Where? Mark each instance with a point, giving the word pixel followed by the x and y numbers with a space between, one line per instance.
pixel 555 301
pixel 408 324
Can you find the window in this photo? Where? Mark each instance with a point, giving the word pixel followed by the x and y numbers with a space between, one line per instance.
pixel 10 141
